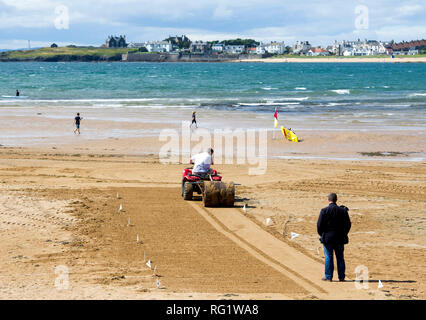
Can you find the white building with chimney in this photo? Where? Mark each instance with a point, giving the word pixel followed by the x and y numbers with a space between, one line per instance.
pixel 159 46
pixel 234 49
pixel 154 46
pixel 301 46
pixel 275 47
pixel 217 47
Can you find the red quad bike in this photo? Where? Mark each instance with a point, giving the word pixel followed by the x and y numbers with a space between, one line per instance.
pixel 214 192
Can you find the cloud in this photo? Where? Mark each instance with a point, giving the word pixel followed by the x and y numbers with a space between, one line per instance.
pixel 222 12
pixel 30 5
pixel 409 10
pixel 317 21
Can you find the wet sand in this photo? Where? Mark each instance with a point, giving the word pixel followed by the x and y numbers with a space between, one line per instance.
pixel 138 133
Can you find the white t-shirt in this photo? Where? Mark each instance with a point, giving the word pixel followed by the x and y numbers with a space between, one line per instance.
pixel 202 162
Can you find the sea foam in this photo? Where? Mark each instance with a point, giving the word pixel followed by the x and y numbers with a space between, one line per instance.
pixel 342 91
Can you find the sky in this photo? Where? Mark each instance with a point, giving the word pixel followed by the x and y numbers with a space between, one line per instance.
pixel 88 22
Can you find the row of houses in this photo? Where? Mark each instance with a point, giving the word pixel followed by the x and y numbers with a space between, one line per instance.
pixel 338 48
pixel 357 48
pixel 202 47
pixel 407 48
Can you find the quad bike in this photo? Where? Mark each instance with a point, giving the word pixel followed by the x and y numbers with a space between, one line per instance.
pixel 214 192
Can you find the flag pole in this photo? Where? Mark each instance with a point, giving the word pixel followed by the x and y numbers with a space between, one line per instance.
pixel 274 136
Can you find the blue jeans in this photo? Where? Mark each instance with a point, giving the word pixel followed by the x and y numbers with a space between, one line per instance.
pixel 329 263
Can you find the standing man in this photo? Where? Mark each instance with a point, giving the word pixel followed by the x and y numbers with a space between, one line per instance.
pixel 333 226
pixel 17 92
pixel 77 123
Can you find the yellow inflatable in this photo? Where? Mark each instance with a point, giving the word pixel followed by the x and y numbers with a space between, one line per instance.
pixel 288 134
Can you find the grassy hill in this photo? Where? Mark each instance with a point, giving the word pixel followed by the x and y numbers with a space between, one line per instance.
pixel 66 54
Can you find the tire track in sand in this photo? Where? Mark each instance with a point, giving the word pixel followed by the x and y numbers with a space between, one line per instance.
pixel 303 270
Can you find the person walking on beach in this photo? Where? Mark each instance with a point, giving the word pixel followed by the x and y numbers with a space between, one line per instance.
pixel 333 226
pixel 77 123
pixel 194 120
pixel 17 92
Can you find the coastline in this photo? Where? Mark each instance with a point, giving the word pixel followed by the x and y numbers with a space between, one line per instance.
pixel 199 60
pixel 337 60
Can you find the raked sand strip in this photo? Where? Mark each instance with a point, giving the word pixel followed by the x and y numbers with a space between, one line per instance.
pixel 303 270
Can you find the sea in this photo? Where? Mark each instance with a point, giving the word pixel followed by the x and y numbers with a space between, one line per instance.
pixel 333 96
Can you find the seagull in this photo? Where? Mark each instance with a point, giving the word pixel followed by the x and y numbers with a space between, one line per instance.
pixel 268 221
pixel 137 238
pixel 245 208
pixel 118 197
pixel 380 285
pixel 149 264
pixel 128 222
pixel 121 208
pixel 158 283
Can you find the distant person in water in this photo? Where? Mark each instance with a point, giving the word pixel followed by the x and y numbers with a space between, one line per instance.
pixel 77 123
pixel 17 93
pixel 194 120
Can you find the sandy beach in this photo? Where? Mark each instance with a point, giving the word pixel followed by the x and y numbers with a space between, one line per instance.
pixel 60 208
pixel 186 156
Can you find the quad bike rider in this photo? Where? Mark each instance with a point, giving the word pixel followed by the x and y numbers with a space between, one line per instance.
pixel 205 181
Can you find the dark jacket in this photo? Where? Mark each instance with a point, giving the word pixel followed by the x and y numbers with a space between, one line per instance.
pixel 334 224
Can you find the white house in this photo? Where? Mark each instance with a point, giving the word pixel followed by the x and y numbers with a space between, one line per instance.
pixel 158 46
pixel 217 47
pixel 300 46
pixel 274 47
pixel 359 48
pixel 234 49
pixel 199 47
pixel 313 52
pixel 348 51
pixel 260 49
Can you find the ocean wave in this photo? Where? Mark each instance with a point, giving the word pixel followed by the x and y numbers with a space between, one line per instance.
pixel 417 94
pixel 269 103
pixel 300 88
pixel 333 104
pixel 88 100
pixel 295 99
pixel 269 88
pixel 342 91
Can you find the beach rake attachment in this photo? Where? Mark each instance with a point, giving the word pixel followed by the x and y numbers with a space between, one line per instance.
pixel 218 194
